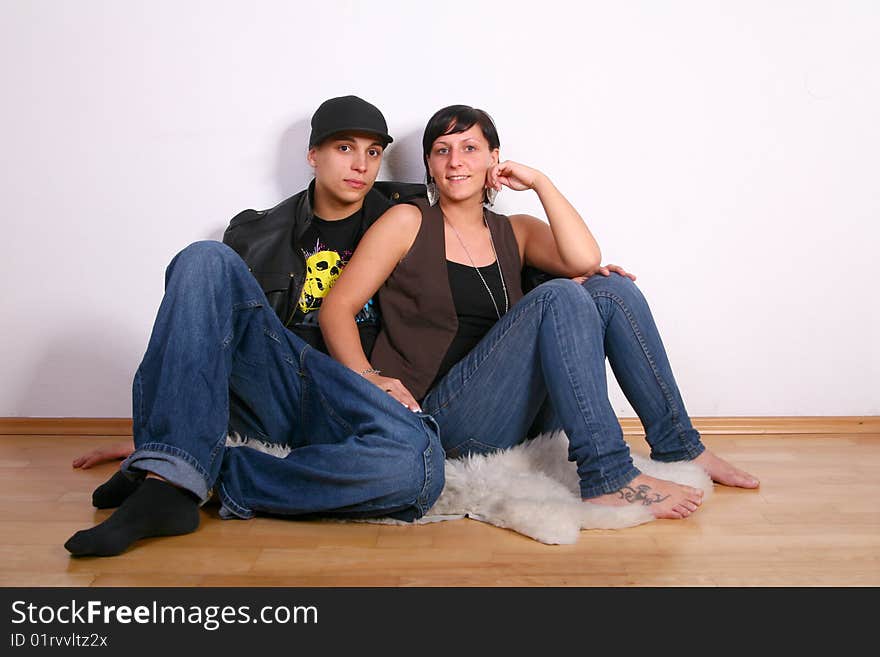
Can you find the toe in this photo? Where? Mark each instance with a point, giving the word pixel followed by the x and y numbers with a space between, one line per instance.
pixel 746 480
pixel 667 514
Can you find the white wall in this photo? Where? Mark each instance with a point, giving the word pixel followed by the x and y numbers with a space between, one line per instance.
pixel 726 152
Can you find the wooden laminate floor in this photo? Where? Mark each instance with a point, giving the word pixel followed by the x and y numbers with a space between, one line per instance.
pixel 814 522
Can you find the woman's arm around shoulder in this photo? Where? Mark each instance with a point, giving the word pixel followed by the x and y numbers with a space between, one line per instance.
pixel 384 245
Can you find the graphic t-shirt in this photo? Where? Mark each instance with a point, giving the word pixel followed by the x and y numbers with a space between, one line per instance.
pixel 327 247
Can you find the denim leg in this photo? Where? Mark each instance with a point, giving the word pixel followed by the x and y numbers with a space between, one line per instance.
pixel 639 362
pixel 210 317
pixel 546 421
pixel 219 360
pixel 549 343
pixel 360 454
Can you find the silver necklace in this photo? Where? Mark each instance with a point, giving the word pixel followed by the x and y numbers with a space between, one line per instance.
pixel 479 273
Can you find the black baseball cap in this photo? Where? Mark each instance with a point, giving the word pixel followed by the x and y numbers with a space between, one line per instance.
pixel 347 114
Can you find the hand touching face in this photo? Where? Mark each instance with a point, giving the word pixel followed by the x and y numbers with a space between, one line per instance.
pixel 459 163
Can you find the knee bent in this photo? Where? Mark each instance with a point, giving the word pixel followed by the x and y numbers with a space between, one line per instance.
pixel 206 252
pixel 206 256
pixel 615 284
pixel 563 290
pixel 566 296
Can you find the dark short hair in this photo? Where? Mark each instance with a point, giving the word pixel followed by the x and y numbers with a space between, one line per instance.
pixel 454 119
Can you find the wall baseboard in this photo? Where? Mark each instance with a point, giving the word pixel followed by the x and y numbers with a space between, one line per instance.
pixel 851 424
pixel 65 426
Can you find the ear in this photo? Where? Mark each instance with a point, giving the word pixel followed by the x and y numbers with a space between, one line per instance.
pixel 496 157
pixel 310 156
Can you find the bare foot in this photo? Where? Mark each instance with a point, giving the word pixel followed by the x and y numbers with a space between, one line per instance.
pixel 665 499
pixel 724 473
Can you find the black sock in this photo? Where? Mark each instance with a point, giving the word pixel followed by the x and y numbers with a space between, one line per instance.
pixel 156 508
pixel 114 491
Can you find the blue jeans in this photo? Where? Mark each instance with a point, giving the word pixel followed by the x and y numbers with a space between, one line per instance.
pixel 542 367
pixel 220 362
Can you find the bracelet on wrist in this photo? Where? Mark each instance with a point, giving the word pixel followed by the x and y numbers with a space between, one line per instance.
pixel 369 371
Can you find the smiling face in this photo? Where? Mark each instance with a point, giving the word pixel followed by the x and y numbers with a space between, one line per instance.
pixel 458 163
pixel 346 167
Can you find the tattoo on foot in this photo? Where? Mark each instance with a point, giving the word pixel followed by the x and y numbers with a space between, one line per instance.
pixel 640 494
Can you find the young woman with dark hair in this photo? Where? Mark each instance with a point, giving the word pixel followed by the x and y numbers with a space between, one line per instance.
pixel 461 342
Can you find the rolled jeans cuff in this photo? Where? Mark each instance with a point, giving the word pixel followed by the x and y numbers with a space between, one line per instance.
pixel 610 485
pixel 229 508
pixel 172 464
pixel 688 452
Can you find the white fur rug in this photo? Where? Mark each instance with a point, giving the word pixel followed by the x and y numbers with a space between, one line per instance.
pixel 533 489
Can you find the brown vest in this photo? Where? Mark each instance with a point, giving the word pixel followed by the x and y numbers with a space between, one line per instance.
pixel 418 314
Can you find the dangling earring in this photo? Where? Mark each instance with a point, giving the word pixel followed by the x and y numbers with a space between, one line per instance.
pixel 491 195
pixel 433 195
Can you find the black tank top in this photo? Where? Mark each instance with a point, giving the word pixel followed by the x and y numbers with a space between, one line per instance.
pixel 473 307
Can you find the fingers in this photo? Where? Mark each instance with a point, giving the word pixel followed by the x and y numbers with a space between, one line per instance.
pixel 606 270
pixel 121 451
pixel 492 178
pixel 95 458
pixel 505 173
pixel 396 389
pixel 620 270
pixel 86 461
pixel 103 455
pixel 401 394
pixel 580 279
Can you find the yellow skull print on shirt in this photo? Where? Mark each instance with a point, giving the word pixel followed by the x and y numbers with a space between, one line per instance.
pixel 322 270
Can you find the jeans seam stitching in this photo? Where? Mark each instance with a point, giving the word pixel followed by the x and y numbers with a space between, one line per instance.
pixel 421 501
pixel 587 418
pixel 219 446
pixel 673 407
pixel 140 385
pixel 228 500
pixel 474 441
